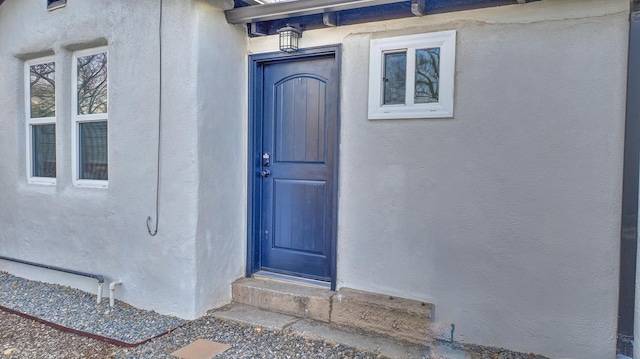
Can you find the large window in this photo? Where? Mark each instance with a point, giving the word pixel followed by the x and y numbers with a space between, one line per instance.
pixel 40 87
pixel 90 118
pixel 412 76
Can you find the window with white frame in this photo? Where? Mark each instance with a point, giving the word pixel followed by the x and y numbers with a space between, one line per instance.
pixel 40 110
pixel 412 76
pixel 90 155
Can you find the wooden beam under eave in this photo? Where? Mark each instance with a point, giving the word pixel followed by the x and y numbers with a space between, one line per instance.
pixel 283 10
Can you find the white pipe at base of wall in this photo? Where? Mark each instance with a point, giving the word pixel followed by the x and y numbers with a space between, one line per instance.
pixel 99 299
pixel 112 288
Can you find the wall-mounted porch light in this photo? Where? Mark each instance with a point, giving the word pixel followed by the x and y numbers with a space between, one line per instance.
pixel 289 36
pixel 55 4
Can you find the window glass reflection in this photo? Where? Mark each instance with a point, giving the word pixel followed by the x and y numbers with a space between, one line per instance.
pixel 43 90
pixel 43 143
pixel 395 78
pixel 427 75
pixel 92 84
pixel 93 150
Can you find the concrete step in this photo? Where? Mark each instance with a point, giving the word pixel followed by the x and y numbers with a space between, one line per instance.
pixel 398 317
pixel 378 313
pixel 283 297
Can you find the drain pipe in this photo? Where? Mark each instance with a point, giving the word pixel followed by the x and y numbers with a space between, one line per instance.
pixel 99 300
pixel 98 277
pixel 112 288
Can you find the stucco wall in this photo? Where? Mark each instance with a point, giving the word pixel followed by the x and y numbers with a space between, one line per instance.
pixel 507 216
pixel 104 230
pixel 222 156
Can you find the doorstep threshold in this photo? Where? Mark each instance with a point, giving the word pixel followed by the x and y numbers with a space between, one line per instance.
pixel 292 279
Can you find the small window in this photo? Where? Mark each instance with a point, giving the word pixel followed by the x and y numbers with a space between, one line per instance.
pixel 412 76
pixel 40 109
pixel 55 4
pixel 90 118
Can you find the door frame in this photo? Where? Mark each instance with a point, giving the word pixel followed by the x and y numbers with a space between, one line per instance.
pixel 627 295
pixel 256 73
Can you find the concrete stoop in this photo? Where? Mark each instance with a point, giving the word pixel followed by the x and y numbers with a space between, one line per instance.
pixel 400 318
pixel 288 298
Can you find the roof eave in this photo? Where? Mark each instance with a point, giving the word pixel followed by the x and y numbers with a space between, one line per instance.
pixel 265 19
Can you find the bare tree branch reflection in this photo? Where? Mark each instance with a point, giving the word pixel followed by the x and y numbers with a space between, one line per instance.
pixel 395 78
pixel 43 90
pixel 427 75
pixel 92 84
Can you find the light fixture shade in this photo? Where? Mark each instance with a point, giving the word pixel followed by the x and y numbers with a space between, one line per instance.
pixel 289 36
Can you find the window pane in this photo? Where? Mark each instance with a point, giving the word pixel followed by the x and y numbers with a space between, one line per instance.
pixel 43 90
pixel 93 150
pixel 395 78
pixel 43 141
pixel 427 75
pixel 92 84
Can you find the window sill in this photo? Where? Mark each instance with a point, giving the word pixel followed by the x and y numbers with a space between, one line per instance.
pixel 91 184
pixel 414 112
pixel 47 181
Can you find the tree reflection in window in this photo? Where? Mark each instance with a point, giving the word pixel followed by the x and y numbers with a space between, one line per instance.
pixel 94 151
pixel 43 141
pixel 43 90
pixel 92 84
pixel 395 78
pixel 427 75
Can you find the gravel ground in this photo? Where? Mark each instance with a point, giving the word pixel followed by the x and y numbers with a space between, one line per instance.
pixel 446 350
pixel 73 308
pixel 25 338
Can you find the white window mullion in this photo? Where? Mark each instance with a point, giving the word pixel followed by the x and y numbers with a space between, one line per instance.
pixel 411 77
pixel 74 122
pixel 74 150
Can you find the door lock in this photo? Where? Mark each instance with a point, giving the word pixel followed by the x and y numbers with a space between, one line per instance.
pixel 266 159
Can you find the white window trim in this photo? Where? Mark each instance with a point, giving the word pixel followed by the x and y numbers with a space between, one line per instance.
pixel 78 119
pixel 29 122
pixel 446 41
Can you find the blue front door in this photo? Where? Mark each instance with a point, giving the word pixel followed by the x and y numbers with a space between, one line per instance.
pixel 297 166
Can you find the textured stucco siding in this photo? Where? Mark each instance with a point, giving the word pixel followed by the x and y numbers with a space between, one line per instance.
pixel 104 230
pixel 507 216
pixel 222 153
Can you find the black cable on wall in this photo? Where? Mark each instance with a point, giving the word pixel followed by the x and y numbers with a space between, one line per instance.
pixel 154 231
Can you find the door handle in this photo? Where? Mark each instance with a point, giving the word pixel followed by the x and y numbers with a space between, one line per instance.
pixel 265 173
